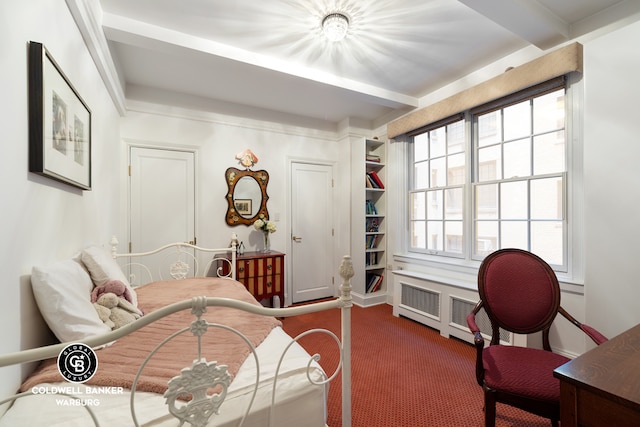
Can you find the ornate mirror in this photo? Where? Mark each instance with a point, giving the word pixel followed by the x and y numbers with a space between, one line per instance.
pixel 247 195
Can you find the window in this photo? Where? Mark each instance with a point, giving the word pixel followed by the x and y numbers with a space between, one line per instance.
pixel 495 178
pixel 437 195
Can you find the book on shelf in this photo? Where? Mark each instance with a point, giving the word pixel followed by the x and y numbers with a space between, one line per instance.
pixel 373 225
pixel 372 158
pixel 371 241
pixel 376 179
pixel 374 281
pixel 368 182
pixel 371 207
pixel 371 183
pixel 371 258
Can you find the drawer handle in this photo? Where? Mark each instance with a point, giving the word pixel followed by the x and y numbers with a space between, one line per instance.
pixel 240 269
pixel 268 284
pixel 269 267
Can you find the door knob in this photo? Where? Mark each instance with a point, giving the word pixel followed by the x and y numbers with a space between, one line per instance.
pixel 296 239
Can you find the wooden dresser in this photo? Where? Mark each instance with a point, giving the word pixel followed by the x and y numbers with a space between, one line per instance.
pixel 262 273
pixel 602 386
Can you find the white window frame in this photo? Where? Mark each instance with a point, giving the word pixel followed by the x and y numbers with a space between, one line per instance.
pixel 447 265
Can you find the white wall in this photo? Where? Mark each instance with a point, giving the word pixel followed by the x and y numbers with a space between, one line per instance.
pixel 612 199
pixel 42 220
pixel 216 140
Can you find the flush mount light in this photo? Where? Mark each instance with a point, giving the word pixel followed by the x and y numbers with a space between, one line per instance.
pixel 335 26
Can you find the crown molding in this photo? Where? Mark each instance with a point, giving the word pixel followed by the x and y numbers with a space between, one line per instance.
pixel 87 14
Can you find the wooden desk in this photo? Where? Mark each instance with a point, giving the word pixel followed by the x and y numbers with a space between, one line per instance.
pixel 602 386
pixel 261 272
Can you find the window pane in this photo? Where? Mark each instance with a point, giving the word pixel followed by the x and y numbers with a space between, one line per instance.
pixel 548 112
pixel 454 241
pixel 489 129
pixel 455 137
pixel 417 206
pixel 489 164
pixel 438 175
pixel 546 198
pixel 438 140
pixel 486 201
pixel 513 200
pixel 420 147
pixel 517 159
pixel 548 153
pixel 546 241
pixel 454 203
pixel 517 121
pixel 513 234
pixel 434 235
pixel 456 174
pixel 434 205
pixel 421 175
pixel 418 234
pixel 486 237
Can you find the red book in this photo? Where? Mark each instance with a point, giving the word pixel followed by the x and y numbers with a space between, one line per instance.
pixel 376 178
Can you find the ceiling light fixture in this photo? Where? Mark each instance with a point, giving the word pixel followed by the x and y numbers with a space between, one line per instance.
pixel 335 26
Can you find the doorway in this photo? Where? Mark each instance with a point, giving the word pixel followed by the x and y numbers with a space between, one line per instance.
pixel 311 231
pixel 161 199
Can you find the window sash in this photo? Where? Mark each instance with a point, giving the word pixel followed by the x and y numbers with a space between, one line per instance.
pixel 470 245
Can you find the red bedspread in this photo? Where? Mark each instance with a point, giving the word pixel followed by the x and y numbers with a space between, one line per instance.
pixel 119 363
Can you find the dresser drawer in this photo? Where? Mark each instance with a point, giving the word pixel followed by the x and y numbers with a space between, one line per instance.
pixel 264 286
pixel 258 267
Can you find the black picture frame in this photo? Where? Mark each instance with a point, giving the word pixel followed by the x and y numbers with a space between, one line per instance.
pixel 59 123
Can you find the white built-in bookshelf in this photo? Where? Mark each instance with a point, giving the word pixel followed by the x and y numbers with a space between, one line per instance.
pixel 368 221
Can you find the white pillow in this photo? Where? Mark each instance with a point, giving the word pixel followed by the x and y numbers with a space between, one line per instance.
pixel 63 294
pixel 104 268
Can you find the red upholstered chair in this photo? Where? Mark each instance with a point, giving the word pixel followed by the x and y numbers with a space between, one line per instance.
pixel 520 294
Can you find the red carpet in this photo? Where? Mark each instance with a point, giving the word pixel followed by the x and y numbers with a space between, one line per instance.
pixel 403 373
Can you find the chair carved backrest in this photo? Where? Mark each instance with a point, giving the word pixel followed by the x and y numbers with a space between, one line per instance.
pixel 520 291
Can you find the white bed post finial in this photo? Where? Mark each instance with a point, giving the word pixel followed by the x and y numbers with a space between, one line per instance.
pixel 114 246
pixel 346 272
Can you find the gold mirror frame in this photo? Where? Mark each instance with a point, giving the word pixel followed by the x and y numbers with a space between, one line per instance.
pixel 232 176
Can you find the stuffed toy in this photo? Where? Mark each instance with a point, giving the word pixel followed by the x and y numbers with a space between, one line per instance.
pixel 120 311
pixel 113 286
pixel 104 314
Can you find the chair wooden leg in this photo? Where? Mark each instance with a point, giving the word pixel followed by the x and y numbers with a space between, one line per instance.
pixel 489 409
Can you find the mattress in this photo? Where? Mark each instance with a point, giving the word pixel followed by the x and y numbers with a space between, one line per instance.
pixel 297 402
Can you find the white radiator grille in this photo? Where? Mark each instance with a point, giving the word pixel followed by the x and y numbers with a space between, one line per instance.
pixel 461 308
pixel 421 299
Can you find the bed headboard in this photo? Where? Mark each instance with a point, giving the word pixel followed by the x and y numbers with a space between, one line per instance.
pixel 176 261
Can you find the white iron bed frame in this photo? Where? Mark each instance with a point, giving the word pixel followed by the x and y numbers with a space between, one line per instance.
pixel 198 411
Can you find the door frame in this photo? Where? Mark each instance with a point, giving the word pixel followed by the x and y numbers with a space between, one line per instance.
pixel 289 246
pixel 126 182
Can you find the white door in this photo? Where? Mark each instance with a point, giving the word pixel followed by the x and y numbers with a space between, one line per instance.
pixel 162 199
pixel 311 231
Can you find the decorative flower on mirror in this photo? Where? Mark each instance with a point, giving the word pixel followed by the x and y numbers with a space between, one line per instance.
pixel 267 227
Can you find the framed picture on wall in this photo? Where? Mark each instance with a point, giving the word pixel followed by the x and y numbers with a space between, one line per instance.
pixel 243 206
pixel 59 123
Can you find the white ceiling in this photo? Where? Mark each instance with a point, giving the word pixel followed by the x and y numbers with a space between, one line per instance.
pixel 268 59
